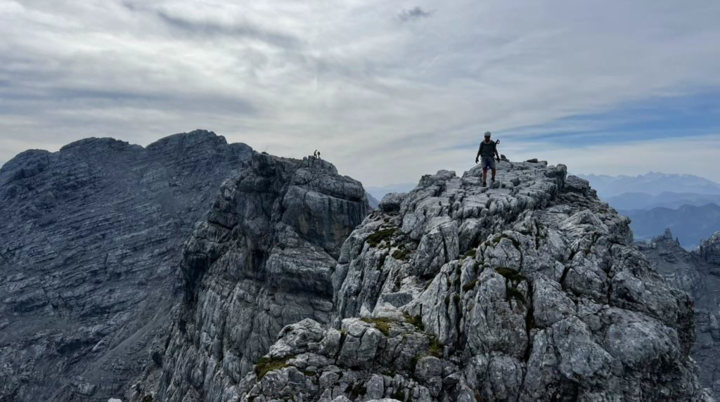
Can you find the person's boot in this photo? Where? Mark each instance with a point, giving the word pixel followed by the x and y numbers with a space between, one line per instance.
pixel 484 184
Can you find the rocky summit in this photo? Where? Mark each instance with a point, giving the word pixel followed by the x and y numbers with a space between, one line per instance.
pixel 263 259
pixel 89 249
pixel 529 290
pixel 696 272
pixel 193 270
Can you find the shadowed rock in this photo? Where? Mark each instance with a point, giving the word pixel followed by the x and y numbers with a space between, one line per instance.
pixel 526 291
pixel 89 244
pixel 263 259
pixel 697 273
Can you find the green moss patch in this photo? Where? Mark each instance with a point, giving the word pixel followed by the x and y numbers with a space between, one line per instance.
pixel 514 293
pixel 435 348
pixel 415 320
pixel 376 238
pixel 401 254
pixel 470 285
pixel 468 254
pixel 268 364
pixel 381 324
pixel 511 274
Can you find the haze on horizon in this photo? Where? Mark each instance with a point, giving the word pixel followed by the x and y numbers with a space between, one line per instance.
pixel 387 91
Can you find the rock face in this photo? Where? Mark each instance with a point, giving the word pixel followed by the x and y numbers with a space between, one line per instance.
pixel 526 291
pixel 287 289
pixel 89 241
pixel 263 259
pixel 709 251
pixel 697 273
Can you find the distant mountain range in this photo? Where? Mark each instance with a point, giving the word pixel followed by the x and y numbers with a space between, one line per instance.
pixel 652 183
pixel 374 203
pixel 635 201
pixel 379 192
pixel 687 204
pixel 689 223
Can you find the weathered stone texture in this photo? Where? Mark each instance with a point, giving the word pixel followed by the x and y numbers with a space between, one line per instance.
pixel 89 245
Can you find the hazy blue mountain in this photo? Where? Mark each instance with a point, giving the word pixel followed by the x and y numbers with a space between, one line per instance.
pixel 635 200
pixel 689 223
pixel 374 203
pixel 379 192
pixel 653 183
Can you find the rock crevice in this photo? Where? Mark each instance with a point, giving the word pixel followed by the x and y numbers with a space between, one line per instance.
pixel 526 291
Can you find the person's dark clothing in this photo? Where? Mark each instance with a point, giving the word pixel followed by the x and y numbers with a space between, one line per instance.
pixel 487 148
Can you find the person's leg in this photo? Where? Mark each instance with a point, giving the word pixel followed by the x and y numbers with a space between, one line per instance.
pixel 493 174
pixel 484 175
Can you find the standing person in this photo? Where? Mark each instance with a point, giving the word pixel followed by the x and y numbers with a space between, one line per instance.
pixel 315 154
pixel 318 155
pixel 488 150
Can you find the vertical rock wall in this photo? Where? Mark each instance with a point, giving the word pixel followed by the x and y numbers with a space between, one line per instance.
pixel 263 259
pixel 89 245
pixel 526 291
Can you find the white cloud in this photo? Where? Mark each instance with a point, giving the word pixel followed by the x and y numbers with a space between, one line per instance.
pixel 383 99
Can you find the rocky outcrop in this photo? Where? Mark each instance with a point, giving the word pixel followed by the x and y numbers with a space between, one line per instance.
pixel 289 288
pixel 263 259
pixel 526 291
pixel 89 241
pixel 697 273
pixel 709 251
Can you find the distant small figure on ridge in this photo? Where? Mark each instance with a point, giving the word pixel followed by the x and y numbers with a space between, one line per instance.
pixel 318 155
pixel 315 154
pixel 488 150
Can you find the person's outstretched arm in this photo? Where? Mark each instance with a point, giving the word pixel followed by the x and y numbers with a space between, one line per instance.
pixel 478 154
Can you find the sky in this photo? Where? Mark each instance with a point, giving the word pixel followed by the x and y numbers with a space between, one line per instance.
pixel 387 91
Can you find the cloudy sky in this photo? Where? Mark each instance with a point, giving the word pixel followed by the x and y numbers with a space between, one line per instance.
pixel 386 90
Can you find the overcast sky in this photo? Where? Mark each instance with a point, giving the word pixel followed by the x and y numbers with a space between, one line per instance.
pixel 387 90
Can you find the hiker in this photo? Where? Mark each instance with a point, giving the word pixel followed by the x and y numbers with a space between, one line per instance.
pixel 315 154
pixel 318 155
pixel 488 149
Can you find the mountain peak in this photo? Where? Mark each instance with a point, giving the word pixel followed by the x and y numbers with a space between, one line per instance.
pixel 442 286
pixel 710 249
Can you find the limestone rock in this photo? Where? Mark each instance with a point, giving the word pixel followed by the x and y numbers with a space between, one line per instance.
pixel 262 260
pixel 697 273
pixel 89 245
pixel 527 291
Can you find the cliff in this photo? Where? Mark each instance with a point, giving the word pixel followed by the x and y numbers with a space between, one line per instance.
pixel 526 291
pixel 89 248
pixel 697 273
pixel 263 259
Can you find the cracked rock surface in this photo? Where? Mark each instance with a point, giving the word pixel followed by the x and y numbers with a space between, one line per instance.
pixel 696 272
pixel 526 291
pixel 89 240
pixel 263 259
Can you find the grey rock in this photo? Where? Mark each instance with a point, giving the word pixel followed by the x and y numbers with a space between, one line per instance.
pixel 89 245
pixel 697 273
pixel 525 292
pixel 530 290
pixel 261 264
pixel 391 202
pixel 710 250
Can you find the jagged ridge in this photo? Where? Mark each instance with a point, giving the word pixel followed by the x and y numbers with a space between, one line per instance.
pixel 89 246
pixel 528 291
pixel 696 272
pixel 263 259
